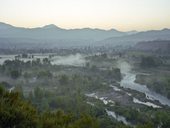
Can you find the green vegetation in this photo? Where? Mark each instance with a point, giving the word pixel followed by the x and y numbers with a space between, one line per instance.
pixel 150 62
pixel 54 96
pixel 158 82
pixel 17 113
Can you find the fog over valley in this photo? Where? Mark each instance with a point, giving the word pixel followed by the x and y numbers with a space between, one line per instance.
pixel 85 64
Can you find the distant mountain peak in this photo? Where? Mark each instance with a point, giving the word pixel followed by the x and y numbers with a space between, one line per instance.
pixel 51 26
pixel 113 29
pixel 5 26
pixel 165 29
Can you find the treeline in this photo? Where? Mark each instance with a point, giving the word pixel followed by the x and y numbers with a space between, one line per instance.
pixel 150 62
pixel 18 113
pixel 14 68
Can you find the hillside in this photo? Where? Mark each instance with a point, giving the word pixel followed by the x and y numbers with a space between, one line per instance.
pixel 133 39
pixel 157 45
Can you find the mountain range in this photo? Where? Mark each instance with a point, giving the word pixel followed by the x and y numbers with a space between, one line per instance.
pixel 51 36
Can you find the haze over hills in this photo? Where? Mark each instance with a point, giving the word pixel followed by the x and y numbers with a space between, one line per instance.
pixel 51 36
pixel 53 32
pixel 132 39
pixel 155 46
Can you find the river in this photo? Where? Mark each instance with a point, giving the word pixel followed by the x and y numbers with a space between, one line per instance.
pixel 128 81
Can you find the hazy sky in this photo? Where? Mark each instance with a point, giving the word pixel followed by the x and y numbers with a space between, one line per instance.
pixel 123 15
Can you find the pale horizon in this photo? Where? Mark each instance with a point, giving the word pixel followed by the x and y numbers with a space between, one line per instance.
pixel 121 15
pixel 82 28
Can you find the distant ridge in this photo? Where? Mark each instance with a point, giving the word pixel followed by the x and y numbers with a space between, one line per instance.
pixel 53 32
pixel 54 36
pixel 156 46
pixel 132 39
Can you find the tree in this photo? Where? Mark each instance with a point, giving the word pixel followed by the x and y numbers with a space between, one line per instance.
pixel 85 121
pixel 30 96
pixel 38 93
pixel 24 55
pixel 44 74
pixel 64 80
pixel 18 88
pixel 46 61
pixel 16 113
pixel 148 62
pixel 15 74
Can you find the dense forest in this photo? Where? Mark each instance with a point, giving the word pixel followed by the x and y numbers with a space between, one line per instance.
pixel 37 94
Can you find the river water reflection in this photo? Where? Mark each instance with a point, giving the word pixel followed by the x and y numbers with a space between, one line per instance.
pixel 128 81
